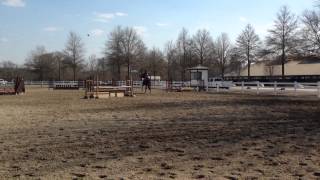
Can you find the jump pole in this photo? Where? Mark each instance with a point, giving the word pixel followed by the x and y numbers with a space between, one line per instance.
pixel 295 88
pixel 97 87
pixel 319 89
pixel 242 87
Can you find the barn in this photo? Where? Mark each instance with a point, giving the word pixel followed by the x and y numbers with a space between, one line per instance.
pixel 295 66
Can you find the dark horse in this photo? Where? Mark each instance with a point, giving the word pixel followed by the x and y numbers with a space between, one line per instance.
pixel 146 82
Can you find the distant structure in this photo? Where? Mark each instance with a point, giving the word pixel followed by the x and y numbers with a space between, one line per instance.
pixel 155 78
pixel 295 66
pixel 199 77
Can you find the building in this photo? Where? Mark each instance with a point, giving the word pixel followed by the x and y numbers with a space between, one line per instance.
pixel 199 77
pixel 294 67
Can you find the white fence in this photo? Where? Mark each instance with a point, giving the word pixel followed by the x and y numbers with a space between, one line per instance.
pixel 243 87
pixel 38 83
pixel 7 84
pixel 277 88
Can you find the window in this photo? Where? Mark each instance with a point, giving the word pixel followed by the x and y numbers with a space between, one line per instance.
pixel 196 76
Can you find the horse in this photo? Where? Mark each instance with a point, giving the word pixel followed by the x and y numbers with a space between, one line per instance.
pixel 146 82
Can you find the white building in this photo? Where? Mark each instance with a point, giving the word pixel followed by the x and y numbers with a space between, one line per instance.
pixel 199 77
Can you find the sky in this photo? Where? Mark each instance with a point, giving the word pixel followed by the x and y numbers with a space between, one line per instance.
pixel 25 24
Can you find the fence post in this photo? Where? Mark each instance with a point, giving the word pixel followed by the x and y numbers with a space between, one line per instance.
pixel 258 87
pixel 319 89
pixel 218 88
pixel 242 87
pixel 295 88
pixel 275 88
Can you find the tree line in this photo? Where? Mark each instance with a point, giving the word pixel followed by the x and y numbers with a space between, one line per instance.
pixel 126 54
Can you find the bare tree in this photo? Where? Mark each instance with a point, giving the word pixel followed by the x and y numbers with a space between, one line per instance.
pixel 61 64
pixel 8 70
pixel 247 45
pixel 282 38
pixel 74 50
pixel 41 63
pixel 311 31
pixel 171 56
pixel 202 44
pixel 236 62
pixel 114 51
pixel 132 47
pixel 124 46
pixel 223 51
pixel 156 63
pixel 93 65
pixel 183 47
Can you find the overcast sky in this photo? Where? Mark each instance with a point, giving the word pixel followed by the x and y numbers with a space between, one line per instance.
pixel 24 24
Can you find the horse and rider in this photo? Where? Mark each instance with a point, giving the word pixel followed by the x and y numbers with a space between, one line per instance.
pixel 146 82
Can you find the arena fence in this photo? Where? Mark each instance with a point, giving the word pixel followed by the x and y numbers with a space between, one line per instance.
pixel 257 87
pixel 277 88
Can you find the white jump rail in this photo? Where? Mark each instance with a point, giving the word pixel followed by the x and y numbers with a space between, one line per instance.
pixel 295 87
pixel 8 84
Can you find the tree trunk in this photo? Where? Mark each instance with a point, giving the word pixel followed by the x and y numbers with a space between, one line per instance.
pixel 119 71
pixel 74 73
pixel 222 72
pixel 283 60
pixel 128 69
pixel 249 62
pixel 74 67
pixel 249 66
pixel 59 70
pixel 182 74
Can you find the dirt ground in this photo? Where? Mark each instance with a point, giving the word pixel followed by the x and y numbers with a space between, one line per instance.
pixel 58 135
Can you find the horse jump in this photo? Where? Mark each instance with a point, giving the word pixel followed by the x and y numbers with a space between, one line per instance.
pixel 94 89
pixel 17 89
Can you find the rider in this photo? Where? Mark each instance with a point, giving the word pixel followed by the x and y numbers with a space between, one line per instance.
pixel 146 81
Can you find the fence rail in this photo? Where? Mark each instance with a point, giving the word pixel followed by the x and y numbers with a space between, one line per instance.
pixel 8 84
pixel 298 78
pixel 278 87
pixel 244 86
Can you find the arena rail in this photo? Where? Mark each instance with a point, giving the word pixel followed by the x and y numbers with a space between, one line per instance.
pixel 244 86
pixel 277 87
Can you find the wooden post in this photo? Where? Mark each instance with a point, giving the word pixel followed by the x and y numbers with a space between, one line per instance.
pixel 97 87
pixel 131 84
pixel 319 89
pixel 86 90
pixel 295 88
pixel 218 88
pixel 258 87
pixel 242 87
pixel 275 87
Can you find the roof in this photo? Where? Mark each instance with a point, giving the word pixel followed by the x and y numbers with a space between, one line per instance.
pixel 298 59
pixel 199 67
